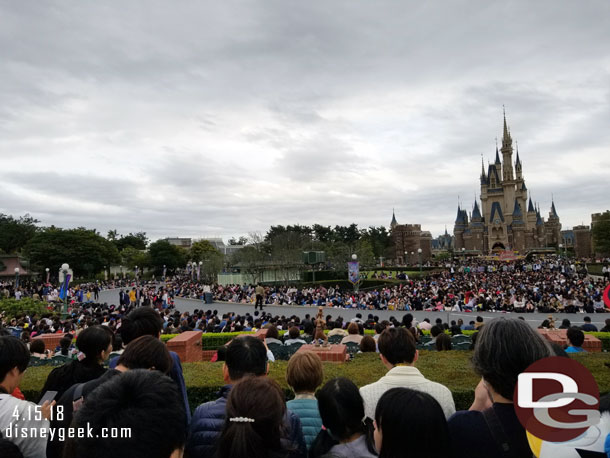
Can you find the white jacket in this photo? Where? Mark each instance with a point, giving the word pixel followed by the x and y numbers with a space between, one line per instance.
pixel 19 424
pixel 406 377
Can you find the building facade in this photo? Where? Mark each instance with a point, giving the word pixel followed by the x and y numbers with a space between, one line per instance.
pixel 407 240
pixel 506 219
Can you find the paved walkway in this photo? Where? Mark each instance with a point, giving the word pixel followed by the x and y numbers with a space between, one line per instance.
pixel 533 319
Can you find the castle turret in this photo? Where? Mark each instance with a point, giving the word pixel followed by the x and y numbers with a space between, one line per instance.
pixel 518 166
pixel 507 154
pixel 394 223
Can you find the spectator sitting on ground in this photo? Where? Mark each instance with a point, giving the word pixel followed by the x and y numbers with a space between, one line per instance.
pixel 398 353
pixel 565 324
pixel 337 330
pixel 272 336
pixel 469 326
pixel 37 349
pixel 478 323
pixel 435 331
pixel 504 349
pixel 588 326
pixel 346 434
pixel 304 374
pixel 254 420
pixel 146 321
pixel 145 402
pixel 425 325
pixel 405 416
pixel 606 328
pixel 294 336
pixel 368 345
pixel 352 334
pixel 94 346
pixel 246 356
pixel 443 342
pixel 146 352
pixel 575 339
pixel 14 360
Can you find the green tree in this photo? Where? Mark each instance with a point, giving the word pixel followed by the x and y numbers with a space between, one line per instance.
pixel 132 257
pixel 601 234
pixel 13 308
pixel 16 233
pixel 85 250
pixel 164 253
pixel 251 262
pixel 137 241
pixel 212 260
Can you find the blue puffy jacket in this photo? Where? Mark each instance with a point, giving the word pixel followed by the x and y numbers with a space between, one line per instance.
pixel 208 420
pixel 308 413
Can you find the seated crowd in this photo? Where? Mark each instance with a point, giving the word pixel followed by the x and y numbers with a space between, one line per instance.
pixel 143 395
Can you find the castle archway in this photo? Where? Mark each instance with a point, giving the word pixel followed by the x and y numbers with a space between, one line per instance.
pixel 498 246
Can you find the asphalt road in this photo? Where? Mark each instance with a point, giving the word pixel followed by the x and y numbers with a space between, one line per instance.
pixel 533 319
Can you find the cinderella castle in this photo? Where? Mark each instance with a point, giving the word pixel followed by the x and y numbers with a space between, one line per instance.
pixel 507 219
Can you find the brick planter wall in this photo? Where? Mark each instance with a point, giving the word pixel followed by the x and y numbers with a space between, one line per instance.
pixel 51 341
pixel 559 336
pixel 187 345
pixel 333 354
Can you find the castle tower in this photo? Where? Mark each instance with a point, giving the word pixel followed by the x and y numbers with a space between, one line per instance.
pixel 518 167
pixel 477 229
pixel 552 228
pixel 394 223
pixel 518 228
pixel 461 224
pixel 507 154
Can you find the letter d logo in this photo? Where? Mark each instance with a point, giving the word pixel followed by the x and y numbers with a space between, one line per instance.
pixel 526 389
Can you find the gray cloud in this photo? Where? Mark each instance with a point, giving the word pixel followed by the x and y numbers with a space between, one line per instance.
pixel 220 118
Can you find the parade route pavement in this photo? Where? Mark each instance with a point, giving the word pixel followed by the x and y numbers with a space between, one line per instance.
pixel 533 319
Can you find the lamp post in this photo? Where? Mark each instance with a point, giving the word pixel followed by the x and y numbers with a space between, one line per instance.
pixel 48 273
pixel 105 274
pixel 406 257
pixel 355 258
pixel 463 252
pixel 164 271
pixel 137 289
pixel 65 271
pixel 16 278
pixel 199 271
pixel 419 254
pixel 411 258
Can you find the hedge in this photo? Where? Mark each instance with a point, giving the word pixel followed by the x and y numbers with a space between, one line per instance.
pixel 211 341
pixel 453 369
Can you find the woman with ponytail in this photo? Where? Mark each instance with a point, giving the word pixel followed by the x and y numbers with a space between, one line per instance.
pixel 254 422
pixel 346 433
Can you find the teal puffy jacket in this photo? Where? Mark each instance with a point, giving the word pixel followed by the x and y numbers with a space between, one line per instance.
pixel 307 411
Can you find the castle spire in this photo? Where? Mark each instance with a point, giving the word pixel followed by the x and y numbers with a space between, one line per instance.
pixel 394 222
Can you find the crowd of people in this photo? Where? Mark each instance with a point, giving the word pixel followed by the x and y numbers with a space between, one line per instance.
pixel 141 398
pixel 547 285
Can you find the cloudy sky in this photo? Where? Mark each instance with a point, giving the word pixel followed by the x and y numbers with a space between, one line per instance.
pixel 220 118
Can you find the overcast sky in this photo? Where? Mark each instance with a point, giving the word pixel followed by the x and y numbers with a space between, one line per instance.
pixel 221 118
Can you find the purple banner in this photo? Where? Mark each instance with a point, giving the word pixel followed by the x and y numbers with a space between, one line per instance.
pixel 353 272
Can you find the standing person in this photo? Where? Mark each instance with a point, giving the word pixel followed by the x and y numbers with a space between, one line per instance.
pixel 346 433
pixel 146 403
pixel 260 296
pixel 145 321
pixel 245 356
pixel 405 416
pixel 304 375
pixel 399 354
pixel 14 360
pixel 94 346
pixel 504 349
pixel 254 421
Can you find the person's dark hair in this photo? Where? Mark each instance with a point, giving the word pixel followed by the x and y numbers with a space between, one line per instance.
pixel 342 411
pixel 443 342
pixel 368 344
pixel 575 336
pixel 146 402
pixel 308 328
pixel 565 322
pixel 246 356
pixel 379 327
pixel 604 403
pixel 352 328
pixel 294 332
pixel 436 330
pixel 479 319
pixel 37 346
pixel 13 353
pixel 407 416
pixel 146 352
pixel 304 372
pixel 397 345
pixel 221 353
pixel 505 348
pixel 9 450
pixel 272 333
pixel 262 400
pixel 64 344
pixel 143 321
pixel 93 341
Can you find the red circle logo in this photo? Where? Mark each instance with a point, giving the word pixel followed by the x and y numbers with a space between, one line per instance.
pixel 557 399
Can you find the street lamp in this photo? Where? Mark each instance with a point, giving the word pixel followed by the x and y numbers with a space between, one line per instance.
pixel 419 254
pixel 47 271
pixel 164 270
pixel 105 274
pixel 199 271
pixel 406 257
pixel 193 267
pixel 16 278
pixel 560 248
